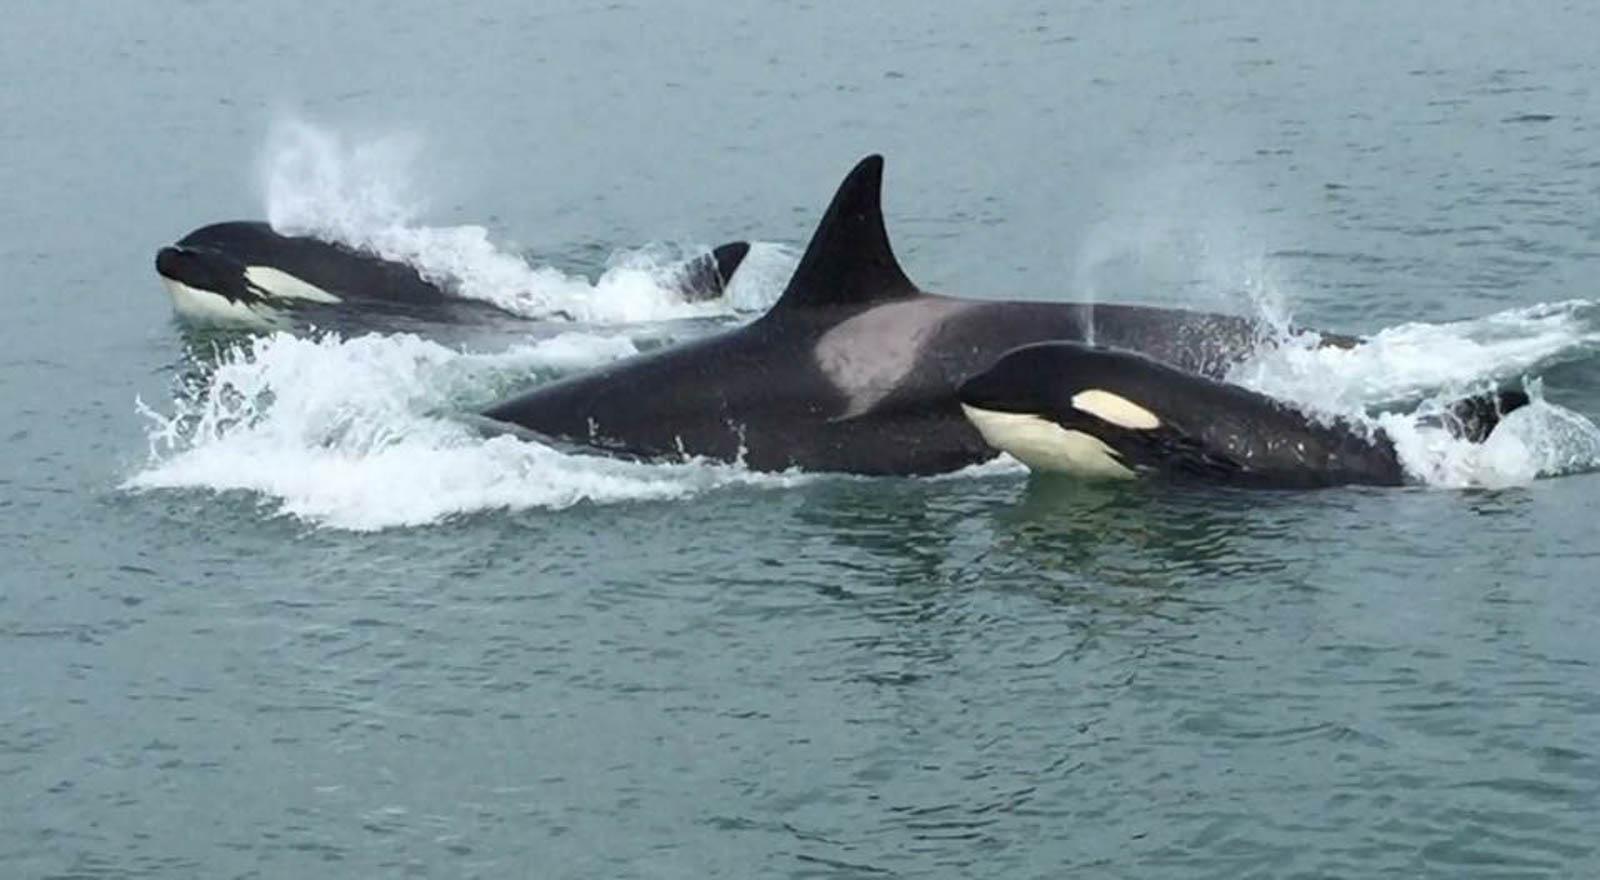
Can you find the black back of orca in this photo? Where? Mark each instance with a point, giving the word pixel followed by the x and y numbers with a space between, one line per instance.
pixel 343 271
pixel 1042 401
pixel 356 288
pixel 854 369
pixel 706 277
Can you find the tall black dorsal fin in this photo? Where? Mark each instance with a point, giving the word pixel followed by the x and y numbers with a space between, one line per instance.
pixel 849 259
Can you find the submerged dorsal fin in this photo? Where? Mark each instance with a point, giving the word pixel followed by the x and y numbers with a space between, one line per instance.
pixel 1475 418
pixel 849 260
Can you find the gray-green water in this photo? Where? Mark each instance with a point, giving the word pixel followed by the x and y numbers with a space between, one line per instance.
pixel 342 641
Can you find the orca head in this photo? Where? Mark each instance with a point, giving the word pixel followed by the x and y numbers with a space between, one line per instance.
pixel 225 274
pixel 1058 407
pixel 203 270
pixel 209 287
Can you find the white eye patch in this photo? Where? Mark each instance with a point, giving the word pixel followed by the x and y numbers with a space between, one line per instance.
pixel 1116 409
pixel 280 284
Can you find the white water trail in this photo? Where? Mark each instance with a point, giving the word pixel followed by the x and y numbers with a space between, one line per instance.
pixel 354 434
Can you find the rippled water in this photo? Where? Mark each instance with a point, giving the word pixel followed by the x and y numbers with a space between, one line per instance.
pixel 268 611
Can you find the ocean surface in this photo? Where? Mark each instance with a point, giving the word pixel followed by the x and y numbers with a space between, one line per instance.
pixel 268 610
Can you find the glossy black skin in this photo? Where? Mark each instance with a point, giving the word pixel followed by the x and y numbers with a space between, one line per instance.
pixel 759 394
pixel 214 258
pixel 1210 431
pixel 706 277
pixel 755 394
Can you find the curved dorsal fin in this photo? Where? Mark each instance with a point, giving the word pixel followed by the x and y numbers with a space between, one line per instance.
pixel 849 260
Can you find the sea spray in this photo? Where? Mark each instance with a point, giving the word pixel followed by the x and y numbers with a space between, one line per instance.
pixel 358 434
pixel 362 193
pixel 1402 377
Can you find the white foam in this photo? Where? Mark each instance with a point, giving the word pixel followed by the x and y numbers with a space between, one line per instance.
pixel 357 434
pixel 1403 362
pixel 1425 367
pixel 359 192
pixel 1168 230
pixel 354 434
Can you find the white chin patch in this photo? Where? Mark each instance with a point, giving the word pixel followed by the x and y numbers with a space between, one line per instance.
pixel 204 307
pixel 281 285
pixel 1047 447
pixel 1116 409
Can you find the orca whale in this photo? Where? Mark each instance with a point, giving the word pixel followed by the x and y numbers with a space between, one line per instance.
pixel 854 369
pixel 1067 407
pixel 243 273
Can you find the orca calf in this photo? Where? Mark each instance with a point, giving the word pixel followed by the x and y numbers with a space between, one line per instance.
pixel 242 273
pixel 1073 408
pixel 854 369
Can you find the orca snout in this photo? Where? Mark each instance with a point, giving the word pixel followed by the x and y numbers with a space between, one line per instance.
pixel 170 262
pixel 195 268
pixel 207 287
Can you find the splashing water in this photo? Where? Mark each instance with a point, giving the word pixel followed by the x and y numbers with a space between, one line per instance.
pixel 1429 366
pixel 350 434
pixel 1540 439
pixel 1400 363
pixel 356 433
pixel 360 193
pixel 1173 234
pixel 1169 230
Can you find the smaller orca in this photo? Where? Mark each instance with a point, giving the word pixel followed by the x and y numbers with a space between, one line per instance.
pixel 1073 408
pixel 243 273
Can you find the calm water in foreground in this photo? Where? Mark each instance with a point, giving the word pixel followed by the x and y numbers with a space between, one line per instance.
pixel 320 632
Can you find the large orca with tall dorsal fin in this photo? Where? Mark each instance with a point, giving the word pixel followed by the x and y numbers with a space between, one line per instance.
pixel 243 273
pixel 854 369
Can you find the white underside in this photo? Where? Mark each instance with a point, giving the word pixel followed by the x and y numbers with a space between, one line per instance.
pixel 1045 446
pixel 205 307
